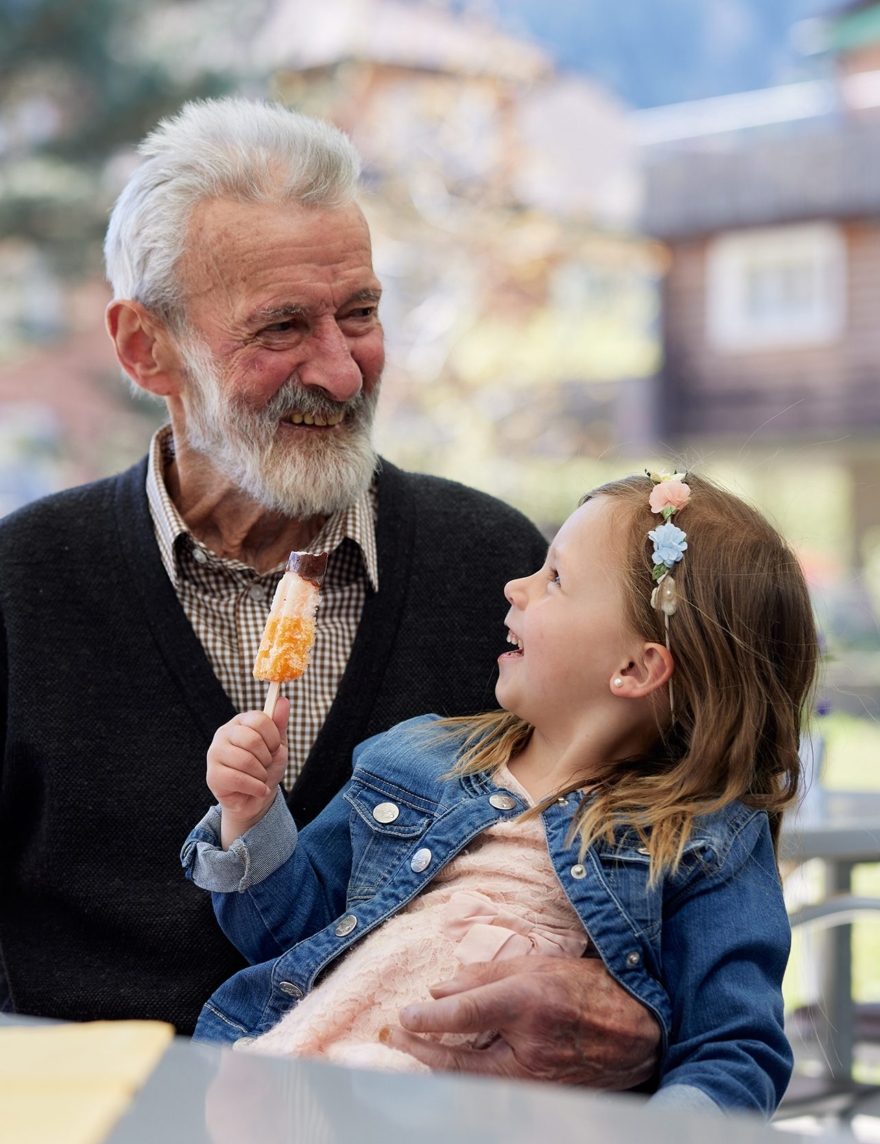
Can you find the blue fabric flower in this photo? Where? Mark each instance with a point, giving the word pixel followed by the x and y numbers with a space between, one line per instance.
pixel 669 544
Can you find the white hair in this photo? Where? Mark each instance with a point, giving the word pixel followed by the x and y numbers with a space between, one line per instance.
pixel 217 148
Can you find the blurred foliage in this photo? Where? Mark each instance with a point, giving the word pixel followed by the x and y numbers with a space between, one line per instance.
pixel 74 90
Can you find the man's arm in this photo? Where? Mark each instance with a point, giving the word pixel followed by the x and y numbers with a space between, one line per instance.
pixel 558 1019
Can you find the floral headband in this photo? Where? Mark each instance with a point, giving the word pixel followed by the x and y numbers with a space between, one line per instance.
pixel 669 495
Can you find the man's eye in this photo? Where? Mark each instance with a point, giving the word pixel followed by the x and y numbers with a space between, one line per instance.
pixel 361 313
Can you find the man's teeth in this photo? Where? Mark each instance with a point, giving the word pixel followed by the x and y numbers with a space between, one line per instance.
pixel 512 639
pixel 321 422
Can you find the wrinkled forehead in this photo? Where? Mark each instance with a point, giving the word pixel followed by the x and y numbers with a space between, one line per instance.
pixel 230 223
pixel 234 248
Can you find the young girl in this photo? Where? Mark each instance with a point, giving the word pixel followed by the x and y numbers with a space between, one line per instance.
pixel 625 804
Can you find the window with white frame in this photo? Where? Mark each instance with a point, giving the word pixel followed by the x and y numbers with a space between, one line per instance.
pixel 776 288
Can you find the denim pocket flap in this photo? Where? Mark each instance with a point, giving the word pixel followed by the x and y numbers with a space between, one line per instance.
pixel 386 811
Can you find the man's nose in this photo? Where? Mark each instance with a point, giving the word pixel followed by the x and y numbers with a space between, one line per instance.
pixel 329 364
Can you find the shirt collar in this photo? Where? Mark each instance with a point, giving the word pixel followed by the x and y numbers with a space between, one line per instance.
pixel 357 522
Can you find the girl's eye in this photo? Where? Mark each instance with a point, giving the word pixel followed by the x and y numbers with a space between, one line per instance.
pixel 554 577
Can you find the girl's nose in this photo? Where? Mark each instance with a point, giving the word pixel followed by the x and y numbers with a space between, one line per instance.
pixel 513 591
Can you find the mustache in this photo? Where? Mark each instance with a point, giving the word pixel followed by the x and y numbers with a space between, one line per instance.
pixel 295 398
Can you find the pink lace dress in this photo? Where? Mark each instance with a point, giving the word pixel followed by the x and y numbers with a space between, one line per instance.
pixel 498 899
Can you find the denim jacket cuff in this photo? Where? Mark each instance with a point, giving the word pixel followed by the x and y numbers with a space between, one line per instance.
pixel 250 858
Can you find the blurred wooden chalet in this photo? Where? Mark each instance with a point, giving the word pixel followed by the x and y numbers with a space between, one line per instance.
pixel 769 206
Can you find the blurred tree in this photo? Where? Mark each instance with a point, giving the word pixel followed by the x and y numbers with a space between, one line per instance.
pixel 75 88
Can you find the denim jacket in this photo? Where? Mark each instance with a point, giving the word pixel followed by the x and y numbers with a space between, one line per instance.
pixel 704 948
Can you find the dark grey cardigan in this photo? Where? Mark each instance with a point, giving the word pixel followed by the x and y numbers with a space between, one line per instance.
pixel 108 703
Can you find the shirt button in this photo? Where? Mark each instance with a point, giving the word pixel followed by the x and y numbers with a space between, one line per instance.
pixel 256 592
pixel 199 556
pixel 290 989
pixel 502 801
pixel 386 812
pixel 633 958
pixel 578 871
pixel 421 860
pixel 345 925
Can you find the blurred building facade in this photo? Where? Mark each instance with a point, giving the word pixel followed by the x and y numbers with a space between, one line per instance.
pixel 519 299
pixel 768 205
pixel 540 246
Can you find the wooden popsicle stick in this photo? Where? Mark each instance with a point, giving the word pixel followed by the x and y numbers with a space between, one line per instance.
pixel 271 698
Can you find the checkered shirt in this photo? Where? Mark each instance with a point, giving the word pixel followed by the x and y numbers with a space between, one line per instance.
pixel 227 603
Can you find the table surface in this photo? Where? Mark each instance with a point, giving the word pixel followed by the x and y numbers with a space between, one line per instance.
pixel 835 824
pixel 207 1095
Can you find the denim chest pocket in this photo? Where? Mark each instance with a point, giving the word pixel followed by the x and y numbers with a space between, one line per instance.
pixel 625 871
pixel 385 823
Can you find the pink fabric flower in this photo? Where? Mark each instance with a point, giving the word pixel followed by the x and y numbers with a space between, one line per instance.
pixel 669 494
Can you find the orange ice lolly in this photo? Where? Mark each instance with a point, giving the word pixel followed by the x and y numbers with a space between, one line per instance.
pixel 290 630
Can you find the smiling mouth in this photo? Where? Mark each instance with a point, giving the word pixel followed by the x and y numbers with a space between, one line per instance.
pixel 312 420
pixel 516 642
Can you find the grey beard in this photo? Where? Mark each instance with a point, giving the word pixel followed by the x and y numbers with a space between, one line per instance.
pixel 321 476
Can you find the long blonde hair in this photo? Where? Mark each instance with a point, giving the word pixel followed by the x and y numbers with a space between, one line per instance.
pixel 746 656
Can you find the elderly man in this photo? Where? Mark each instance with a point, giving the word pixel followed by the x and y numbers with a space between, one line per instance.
pixel 130 610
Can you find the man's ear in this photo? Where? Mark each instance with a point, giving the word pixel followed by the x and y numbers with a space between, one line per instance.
pixel 650 670
pixel 144 347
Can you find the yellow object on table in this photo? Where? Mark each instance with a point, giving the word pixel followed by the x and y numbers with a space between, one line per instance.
pixel 69 1084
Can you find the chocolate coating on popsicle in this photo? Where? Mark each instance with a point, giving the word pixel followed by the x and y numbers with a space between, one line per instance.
pixel 310 566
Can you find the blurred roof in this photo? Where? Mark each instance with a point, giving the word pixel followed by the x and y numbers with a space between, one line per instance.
pixel 775 177
pixel 391 32
pixel 797 151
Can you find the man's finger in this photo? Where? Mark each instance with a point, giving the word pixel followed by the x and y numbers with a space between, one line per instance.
pixel 480 973
pixel 489 1006
pixel 496 1060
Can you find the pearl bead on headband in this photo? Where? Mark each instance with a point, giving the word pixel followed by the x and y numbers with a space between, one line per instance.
pixel 669 495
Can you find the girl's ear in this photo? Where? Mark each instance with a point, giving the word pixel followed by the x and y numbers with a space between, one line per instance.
pixel 144 347
pixel 644 675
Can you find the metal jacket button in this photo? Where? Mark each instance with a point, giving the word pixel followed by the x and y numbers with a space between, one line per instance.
pixel 290 989
pixel 578 871
pixel 345 925
pixel 421 860
pixel 386 812
pixel 633 958
pixel 502 801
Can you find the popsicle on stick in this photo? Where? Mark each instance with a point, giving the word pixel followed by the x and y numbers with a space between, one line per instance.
pixel 290 629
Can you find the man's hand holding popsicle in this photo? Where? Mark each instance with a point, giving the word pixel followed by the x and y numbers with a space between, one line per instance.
pixel 247 756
